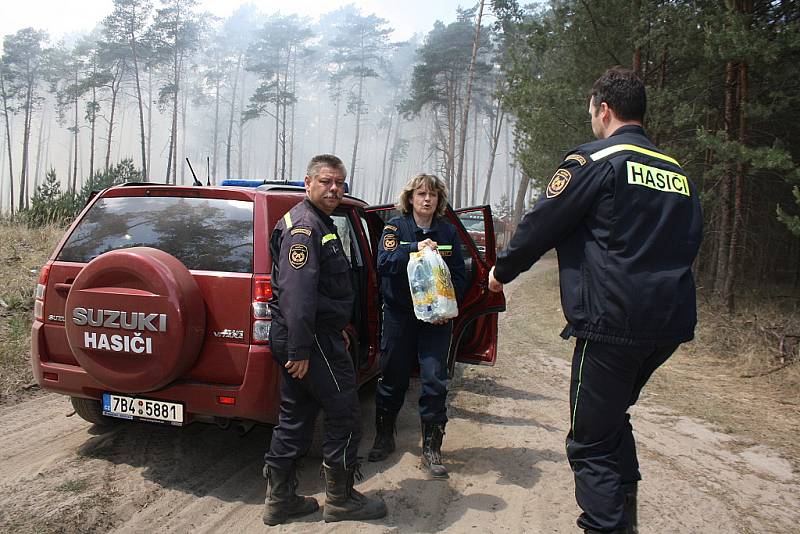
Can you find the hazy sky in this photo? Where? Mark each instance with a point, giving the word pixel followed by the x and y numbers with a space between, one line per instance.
pixel 60 17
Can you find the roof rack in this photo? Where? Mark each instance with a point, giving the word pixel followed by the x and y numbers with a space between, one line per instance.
pixel 129 184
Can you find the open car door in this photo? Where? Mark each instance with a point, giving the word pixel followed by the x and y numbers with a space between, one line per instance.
pixel 475 328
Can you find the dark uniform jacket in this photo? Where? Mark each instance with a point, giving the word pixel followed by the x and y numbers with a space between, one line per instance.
pixel 626 222
pixel 400 237
pixel 311 285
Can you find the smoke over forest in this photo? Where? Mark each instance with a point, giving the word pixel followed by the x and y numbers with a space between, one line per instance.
pixel 255 95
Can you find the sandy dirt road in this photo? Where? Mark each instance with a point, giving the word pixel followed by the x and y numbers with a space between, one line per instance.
pixel 504 447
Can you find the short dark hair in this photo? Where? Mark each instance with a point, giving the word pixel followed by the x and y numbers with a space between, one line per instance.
pixel 623 91
pixel 325 160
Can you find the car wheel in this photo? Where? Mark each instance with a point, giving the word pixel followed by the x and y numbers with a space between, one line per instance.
pixel 91 411
pixel 136 319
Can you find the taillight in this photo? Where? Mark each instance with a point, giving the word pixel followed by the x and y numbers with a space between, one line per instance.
pixel 39 292
pixel 262 293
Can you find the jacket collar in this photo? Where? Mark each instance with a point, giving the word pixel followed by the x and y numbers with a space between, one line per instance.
pixel 327 219
pixel 416 228
pixel 629 128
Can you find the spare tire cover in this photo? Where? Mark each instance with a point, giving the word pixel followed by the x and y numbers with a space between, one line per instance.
pixel 135 319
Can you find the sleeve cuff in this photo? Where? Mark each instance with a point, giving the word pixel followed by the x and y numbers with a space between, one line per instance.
pixel 502 275
pixel 300 353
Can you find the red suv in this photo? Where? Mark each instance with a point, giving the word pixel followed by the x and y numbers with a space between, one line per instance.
pixel 152 306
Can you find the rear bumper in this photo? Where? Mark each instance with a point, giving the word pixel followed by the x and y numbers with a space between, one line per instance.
pixel 257 397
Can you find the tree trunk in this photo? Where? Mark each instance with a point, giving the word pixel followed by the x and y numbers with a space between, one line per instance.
pixel 241 129
pixel 229 142
pixel 39 151
pixel 169 159
pixel 47 148
pixel 637 52
pixel 91 138
pixel 184 105
pixel 284 106
pixel 69 161
pixel 519 203
pixel 451 144
pixel 216 133
pixel 121 129
pixel 2 166
pixel 8 143
pixel 738 215
pixel 291 130
pixel 132 44
pixel 474 180
pixel 726 185
pixel 174 126
pixel 75 135
pixel 511 168
pixel 497 127
pixel 336 121
pixel 358 133
pixel 115 85
pixel 383 184
pixel 467 101
pixel 149 118
pixel 26 129
pixel 393 162
pixel 277 134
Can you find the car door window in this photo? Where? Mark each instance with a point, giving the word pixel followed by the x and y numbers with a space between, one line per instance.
pixel 476 229
pixel 345 231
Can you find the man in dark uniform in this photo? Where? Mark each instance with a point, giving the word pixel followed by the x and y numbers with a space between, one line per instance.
pixel 626 222
pixel 311 305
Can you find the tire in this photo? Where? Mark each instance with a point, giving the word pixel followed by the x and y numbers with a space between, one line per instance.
pixel 91 411
pixel 137 319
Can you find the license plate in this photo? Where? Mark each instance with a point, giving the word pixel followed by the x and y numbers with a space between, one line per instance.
pixel 145 409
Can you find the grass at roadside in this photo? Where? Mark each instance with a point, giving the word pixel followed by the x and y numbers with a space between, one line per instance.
pixel 23 251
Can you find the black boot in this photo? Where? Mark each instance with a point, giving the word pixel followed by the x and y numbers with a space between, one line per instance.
pixel 432 434
pixel 343 502
pixel 384 436
pixel 629 493
pixel 282 501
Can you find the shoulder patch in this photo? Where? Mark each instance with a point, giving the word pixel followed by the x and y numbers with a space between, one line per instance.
pixel 298 255
pixel 389 242
pixel 576 157
pixel 390 227
pixel 305 231
pixel 558 183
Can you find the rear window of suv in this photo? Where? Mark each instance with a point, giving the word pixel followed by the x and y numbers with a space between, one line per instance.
pixel 203 233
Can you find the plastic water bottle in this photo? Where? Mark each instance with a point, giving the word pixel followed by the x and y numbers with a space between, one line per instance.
pixel 421 292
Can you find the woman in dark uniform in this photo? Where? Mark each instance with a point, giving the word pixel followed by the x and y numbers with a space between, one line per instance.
pixel 407 341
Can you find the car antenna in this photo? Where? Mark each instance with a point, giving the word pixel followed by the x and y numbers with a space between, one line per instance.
pixel 196 181
pixel 208 171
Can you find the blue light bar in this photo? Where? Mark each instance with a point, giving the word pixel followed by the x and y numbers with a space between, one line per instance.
pixel 243 183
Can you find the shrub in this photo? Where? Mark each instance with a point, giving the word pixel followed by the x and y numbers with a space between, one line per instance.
pixel 51 206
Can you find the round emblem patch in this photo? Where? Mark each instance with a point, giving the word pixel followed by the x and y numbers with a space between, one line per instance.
pixel 558 183
pixel 298 255
pixel 389 242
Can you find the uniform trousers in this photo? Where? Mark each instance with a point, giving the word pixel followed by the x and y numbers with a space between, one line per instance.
pixel 405 343
pixel 329 385
pixel 606 380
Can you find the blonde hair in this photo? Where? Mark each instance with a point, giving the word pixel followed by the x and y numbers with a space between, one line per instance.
pixel 432 183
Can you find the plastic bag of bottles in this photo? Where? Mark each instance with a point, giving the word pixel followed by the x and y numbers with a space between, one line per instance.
pixel 431 287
